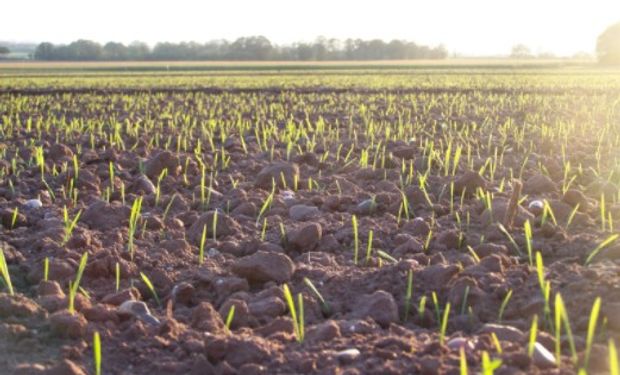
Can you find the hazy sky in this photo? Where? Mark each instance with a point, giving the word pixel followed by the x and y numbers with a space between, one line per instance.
pixel 482 27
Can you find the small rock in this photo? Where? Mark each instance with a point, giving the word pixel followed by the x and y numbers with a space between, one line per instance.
pixel 304 238
pixel 224 226
pixel 50 288
pixel 18 306
pixel 182 293
pixel 266 308
pixel 66 325
pixel 417 227
pixel 460 342
pixel 118 298
pixel 575 197
pixel 301 212
pixel 538 184
pixel 542 357
pixel 33 204
pixel 104 216
pixel 164 160
pixel 264 266
pixel 438 274
pixel 469 182
pixel 206 318
pixel 503 332
pixel 59 151
pixel 380 306
pixel 66 367
pixel 139 310
pixel 366 207
pixel 142 186
pixel 275 172
pixel 536 207
pixel 325 331
pixel 348 355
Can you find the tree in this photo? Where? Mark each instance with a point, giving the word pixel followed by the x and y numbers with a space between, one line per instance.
pixel 521 51
pixel 4 51
pixel 44 51
pixel 115 51
pixel 608 45
pixel 83 50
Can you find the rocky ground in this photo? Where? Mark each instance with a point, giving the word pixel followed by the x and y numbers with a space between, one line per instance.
pixel 453 242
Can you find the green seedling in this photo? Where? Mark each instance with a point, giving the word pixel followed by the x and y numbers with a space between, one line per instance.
pixel 263 231
pixel 369 246
pixel 46 268
pixel 168 206
pixel 490 365
pixel 214 223
pixel 97 353
pixel 561 316
pixel 385 256
pixel 408 294
pixel 571 216
pixel 297 315
pixel 473 253
pixel 324 305
pixel 150 286
pixel 422 307
pixel 4 270
pixel 75 285
pixel 14 217
pixel 462 362
pixel 266 204
pixel 201 249
pixel 465 297
pixel 594 313
pixel 69 224
pixel 134 216
pixel 533 335
pixel 444 324
pixel 427 241
pixel 496 343
pixel 510 238
pixel 502 307
pixel 230 316
pixel 614 368
pixel 527 230
pixel 600 247
pixel 117 271
pixel 355 239
pixel 602 210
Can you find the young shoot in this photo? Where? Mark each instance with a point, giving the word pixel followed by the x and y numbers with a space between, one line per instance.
pixel 4 271
pixel 600 247
pixel 356 244
pixel 297 314
pixel 69 224
pixel 75 285
pixel 97 353
pixel 150 286
pixel 408 294
pixel 230 316
pixel 324 305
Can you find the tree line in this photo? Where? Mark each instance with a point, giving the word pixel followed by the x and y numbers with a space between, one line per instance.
pixel 245 48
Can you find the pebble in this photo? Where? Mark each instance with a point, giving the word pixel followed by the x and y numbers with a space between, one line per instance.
pixel 542 357
pixel 348 355
pixel 33 204
pixel 139 310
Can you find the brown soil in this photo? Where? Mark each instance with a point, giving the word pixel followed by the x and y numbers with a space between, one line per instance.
pixel 363 330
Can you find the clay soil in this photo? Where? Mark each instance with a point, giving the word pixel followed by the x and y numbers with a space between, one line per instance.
pixel 206 162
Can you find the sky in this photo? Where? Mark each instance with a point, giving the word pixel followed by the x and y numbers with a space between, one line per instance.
pixel 467 27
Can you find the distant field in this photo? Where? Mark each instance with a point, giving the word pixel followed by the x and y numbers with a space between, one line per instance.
pixel 147 66
pixel 414 209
